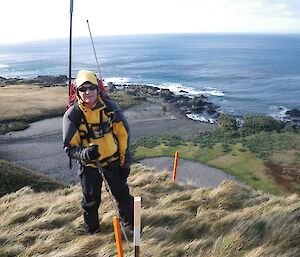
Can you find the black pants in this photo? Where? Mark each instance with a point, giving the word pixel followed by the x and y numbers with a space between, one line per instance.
pixel 91 183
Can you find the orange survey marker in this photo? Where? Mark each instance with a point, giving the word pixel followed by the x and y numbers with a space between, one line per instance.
pixel 118 237
pixel 175 165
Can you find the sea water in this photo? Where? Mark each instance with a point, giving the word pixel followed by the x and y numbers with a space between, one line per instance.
pixel 241 73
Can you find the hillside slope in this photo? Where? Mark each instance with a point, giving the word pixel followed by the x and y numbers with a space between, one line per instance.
pixel 231 220
pixel 13 178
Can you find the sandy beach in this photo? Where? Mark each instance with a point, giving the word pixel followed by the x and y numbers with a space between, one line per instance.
pixel 40 146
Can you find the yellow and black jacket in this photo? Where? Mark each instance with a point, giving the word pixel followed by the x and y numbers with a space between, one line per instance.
pixel 104 125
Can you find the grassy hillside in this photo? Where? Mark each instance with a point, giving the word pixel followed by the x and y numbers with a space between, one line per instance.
pixel 32 101
pixel 13 178
pixel 231 220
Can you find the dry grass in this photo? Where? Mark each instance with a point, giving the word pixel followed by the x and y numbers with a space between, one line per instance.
pixel 231 220
pixel 290 157
pixel 27 102
pixel 32 102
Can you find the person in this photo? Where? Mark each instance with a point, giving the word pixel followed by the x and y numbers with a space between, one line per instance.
pixel 94 128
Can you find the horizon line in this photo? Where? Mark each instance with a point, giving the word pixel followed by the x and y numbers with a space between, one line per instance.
pixel 150 34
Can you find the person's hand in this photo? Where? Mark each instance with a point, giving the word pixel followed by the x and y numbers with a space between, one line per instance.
pixel 124 172
pixel 90 153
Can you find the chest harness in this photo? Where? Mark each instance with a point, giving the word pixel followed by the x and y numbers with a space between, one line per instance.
pixel 95 130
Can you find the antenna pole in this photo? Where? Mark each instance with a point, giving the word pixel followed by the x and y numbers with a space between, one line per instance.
pixel 98 66
pixel 70 45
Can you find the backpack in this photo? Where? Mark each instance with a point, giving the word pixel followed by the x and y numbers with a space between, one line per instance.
pixel 72 92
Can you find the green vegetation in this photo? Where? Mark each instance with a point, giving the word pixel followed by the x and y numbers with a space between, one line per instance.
pixel 265 143
pixel 13 126
pixel 227 122
pixel 238 151
pixel 13 178
pixel 156 140
pixel 257 123
pixel 232 220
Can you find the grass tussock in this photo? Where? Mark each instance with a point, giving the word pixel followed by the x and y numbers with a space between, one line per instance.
pixel 178 220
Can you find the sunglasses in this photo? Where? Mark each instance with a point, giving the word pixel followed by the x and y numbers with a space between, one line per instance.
pixel 84 89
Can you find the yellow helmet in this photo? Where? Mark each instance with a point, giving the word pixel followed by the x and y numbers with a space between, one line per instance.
pixel 85 76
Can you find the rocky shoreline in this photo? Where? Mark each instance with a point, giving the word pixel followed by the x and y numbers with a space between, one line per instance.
pixel 196 108
pixel 46 80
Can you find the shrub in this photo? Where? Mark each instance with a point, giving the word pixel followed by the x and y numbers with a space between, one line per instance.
pixel 18 125
pixel 226 148
pixel 264 143
pixel 13 126
pixel 257 123
pixel 226 122
pixel 209 139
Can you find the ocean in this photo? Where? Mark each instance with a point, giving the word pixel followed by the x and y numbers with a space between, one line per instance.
pixel 241 73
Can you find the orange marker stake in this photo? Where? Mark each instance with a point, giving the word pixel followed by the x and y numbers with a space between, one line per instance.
pixel 118 237
pixel 175 165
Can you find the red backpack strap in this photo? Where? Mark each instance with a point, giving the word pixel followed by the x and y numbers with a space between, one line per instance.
pixel 102 91
pixel 72 95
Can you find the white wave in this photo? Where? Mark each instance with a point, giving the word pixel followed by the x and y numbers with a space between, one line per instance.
pixel 116 80
pixel 212 91
pixel 180 89
pixel 197 117
pixel 3 66
pixel 278 112
pixel 176 88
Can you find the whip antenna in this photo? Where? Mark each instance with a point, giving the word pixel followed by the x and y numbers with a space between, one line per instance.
pixel 87 21
pixel 70 46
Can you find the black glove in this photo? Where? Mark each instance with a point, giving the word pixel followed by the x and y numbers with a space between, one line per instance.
pixel 124 172
pixel 90 153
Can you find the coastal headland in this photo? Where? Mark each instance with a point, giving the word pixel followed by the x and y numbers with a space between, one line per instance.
pixel 39 147
pixel 197 107
pixel 254 154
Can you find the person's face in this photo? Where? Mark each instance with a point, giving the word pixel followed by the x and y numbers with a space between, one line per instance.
pixel 88 93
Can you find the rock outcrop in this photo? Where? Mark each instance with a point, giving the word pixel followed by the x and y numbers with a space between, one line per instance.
pixel 198 105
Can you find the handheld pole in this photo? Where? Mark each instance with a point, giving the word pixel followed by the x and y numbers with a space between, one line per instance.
pixel 113 200
pixel 97 63
pixel 70 58
pixel 70 46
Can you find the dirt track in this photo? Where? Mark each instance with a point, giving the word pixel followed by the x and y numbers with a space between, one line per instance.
pixel 40 146
pixel 192 173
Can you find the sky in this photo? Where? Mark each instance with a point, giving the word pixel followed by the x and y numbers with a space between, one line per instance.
pixel 30 20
